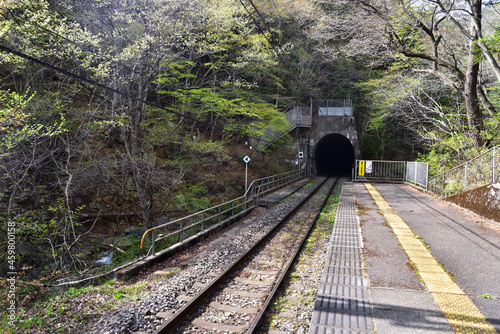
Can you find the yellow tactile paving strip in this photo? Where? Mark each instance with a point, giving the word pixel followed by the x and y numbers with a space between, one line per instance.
pixel 462 314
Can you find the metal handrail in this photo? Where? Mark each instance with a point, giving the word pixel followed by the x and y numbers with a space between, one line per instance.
pixel 492 150
pixel 256 189
pixel 458 176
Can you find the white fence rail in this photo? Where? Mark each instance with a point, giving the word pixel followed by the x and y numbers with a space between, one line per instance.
pixel 299 116
pixel 340 108
pixel 416 173
pixel 380 171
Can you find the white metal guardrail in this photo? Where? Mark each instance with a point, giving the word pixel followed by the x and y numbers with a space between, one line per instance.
pixel 338 107
pixel 299 116
pixel 380 170
pixel 178 230
pixel 475 173
pixel 416 173
pixel 296 115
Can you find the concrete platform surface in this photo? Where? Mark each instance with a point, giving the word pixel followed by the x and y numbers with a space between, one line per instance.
pixel 467 247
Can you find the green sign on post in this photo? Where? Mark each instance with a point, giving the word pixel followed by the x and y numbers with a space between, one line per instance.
pixel 247 160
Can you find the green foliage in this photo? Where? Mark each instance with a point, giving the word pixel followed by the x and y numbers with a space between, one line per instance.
pixel 55 312
pixel 111 281
pixel 30 26
pixel 202 148
pixel 175 71
pixel 487 296
pixel 131 253
pixel 193 198
pixel 19 123
pixel 235 114
pixel 448 153
pixel 75 292
pixel 492 41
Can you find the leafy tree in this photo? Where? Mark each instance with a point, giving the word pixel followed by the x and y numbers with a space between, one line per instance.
pixel 28 126
pixel 424 36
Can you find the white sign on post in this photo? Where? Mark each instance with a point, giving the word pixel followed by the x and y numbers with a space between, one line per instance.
pixel 368 167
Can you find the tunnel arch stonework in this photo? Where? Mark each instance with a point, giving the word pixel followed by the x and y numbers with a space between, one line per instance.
pixel 325 134
pixel 331 129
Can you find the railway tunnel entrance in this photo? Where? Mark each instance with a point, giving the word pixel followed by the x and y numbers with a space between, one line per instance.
pixel 334 155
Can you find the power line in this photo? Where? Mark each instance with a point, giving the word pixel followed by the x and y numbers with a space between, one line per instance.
pixel 286 58
pixel 262 32
pixel 95 83
pixel 279 22
pixel 17 18
pixel 267 28
pixel 83 47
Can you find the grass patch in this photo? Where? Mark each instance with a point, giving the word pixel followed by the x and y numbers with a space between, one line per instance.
pixel 65 311
pixel 487 296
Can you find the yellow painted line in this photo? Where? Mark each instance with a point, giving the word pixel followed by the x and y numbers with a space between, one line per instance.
pixel 463 316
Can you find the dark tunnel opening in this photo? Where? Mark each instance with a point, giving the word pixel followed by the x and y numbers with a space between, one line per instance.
pixel 334 155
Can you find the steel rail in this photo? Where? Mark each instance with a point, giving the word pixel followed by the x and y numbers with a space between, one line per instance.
pixel 256 189
pixel 258 318
pixel 180 316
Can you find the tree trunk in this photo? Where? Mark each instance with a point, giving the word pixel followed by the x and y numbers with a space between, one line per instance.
pixel 474 115
pixel 135 114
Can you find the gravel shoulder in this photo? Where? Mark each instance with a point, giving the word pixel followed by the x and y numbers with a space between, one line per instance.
pixel 183 275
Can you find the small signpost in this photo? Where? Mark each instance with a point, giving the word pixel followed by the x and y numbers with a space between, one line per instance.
pixel 246 159
pixel 365 167
pixel 301 155
pixel 361 168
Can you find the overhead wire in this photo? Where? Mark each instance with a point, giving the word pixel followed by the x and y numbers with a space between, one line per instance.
pixel 85 48
pixel 286 61
pixel 279 22
pixel 130 96
pixel 95 83
pixel 80 45
pixel 279 54
pixel 264 22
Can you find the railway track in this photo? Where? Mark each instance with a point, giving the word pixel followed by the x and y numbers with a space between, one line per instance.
pixel 236 299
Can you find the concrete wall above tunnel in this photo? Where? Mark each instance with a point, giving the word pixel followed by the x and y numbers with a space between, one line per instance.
pixel 334 154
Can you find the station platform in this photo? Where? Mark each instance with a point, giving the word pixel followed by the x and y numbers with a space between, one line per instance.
pixel 401 261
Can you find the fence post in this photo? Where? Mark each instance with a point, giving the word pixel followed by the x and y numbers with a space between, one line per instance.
pixel 181 233
pixel 444 185
pixel 426 176
pixel 416 169
pixel 494 164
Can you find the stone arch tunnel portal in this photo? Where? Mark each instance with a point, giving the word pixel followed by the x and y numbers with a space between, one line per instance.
pixel 334 155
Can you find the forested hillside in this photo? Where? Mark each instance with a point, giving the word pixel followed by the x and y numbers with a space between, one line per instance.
pixel 116 113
